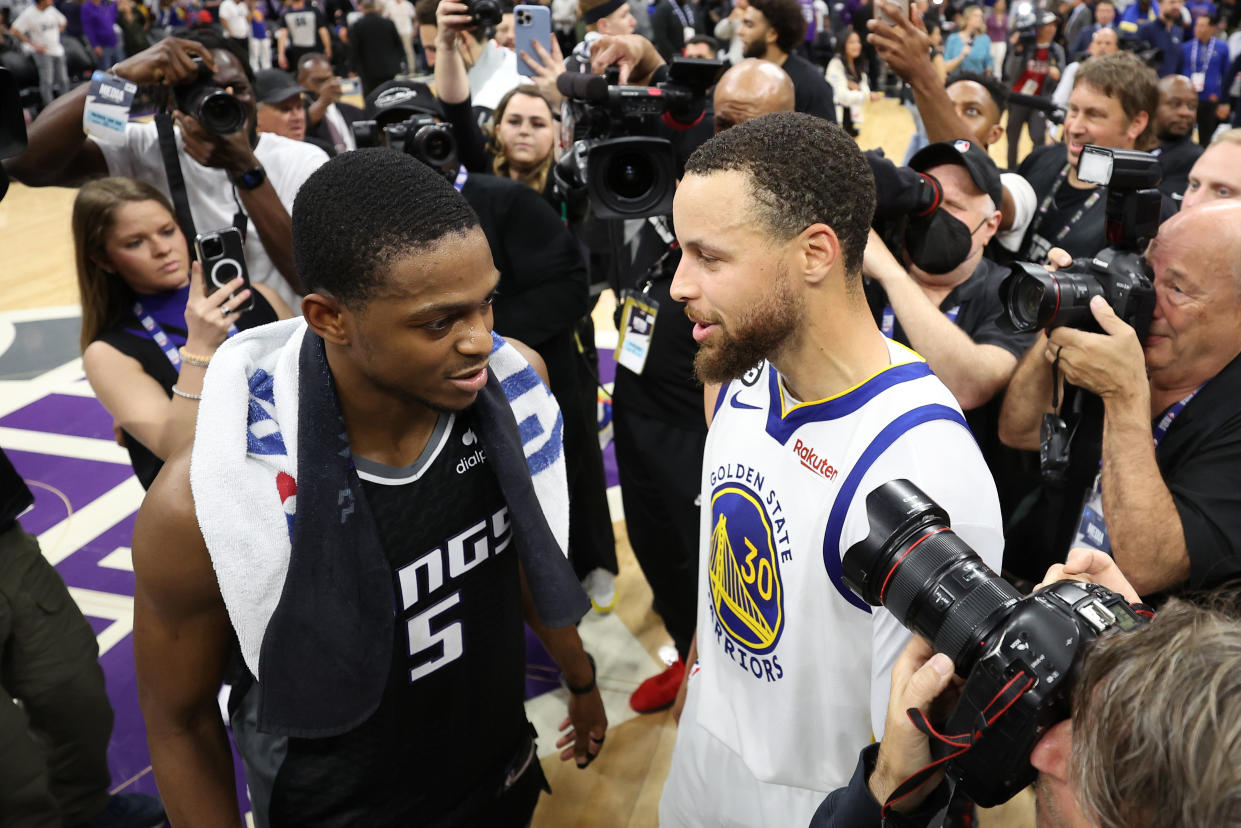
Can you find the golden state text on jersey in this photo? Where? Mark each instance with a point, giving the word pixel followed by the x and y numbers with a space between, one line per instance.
pixel 748 542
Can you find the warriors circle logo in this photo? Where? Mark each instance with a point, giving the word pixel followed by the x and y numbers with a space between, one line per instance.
pixel 744 569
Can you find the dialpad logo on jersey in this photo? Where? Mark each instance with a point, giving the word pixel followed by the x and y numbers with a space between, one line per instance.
pixel 747 597
pixel 469 461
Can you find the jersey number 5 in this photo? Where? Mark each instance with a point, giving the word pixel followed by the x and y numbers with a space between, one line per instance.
pixel 424 638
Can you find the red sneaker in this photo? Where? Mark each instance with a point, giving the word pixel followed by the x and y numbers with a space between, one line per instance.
pixel 660 691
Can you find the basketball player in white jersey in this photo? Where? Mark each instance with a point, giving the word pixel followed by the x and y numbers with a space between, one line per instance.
pixel 815 409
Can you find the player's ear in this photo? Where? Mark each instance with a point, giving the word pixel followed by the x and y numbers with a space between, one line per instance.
pixel 819 250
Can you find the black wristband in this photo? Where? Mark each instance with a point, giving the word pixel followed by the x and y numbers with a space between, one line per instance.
pixel 582 691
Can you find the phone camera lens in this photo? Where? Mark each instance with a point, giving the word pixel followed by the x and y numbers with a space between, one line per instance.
pixel 213 248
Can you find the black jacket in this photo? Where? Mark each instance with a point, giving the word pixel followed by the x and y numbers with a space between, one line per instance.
pixel 323 136
pixel 375 50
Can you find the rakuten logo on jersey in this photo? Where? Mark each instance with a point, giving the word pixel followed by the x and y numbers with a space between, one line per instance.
pixel 811 460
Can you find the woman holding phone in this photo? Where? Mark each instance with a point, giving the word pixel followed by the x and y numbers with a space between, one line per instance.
pixel 149 328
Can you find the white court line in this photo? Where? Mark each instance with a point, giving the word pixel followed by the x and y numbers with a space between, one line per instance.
pixel 122 557
pixel 15 394
pixel 92 520
pixel 41 314
pixel 64 445
pixel 119 609
pixel 617 654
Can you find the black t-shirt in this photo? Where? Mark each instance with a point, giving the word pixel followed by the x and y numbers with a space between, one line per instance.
pixel 452 715
pixel 1177 158
pixel 666 390
pixel 129 337
pixel 1200 462
pixel 811 91
pixel 1074 218
pixel 975 304
pixel 976 308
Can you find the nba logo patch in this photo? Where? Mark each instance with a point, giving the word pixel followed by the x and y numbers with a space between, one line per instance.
pixel 962 146
pixel 744 569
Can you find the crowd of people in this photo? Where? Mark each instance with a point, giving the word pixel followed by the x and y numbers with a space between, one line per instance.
pixel 405 397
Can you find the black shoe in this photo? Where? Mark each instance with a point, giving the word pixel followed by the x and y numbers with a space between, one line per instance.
pixel 129 811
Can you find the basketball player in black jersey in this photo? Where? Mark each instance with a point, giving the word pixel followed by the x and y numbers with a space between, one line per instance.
pixel 402 304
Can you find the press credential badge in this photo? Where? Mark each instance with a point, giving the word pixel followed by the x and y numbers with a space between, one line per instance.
pixel 107 107
pixel 637 326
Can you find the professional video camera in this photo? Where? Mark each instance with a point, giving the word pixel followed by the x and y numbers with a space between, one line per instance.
pixel 1020 656
pixel 1152 56
pixel 219 112
pixel 1034 297
pixel 626 173
pixel 1026 19
pixel 419 135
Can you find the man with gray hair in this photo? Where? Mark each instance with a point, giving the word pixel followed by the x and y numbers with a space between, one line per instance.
pixel 1154 471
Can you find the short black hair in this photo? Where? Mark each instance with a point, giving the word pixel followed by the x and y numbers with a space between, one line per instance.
pixel 364 209
pixel 786 18
pixel 997 90
pixel 215 42
pixel 802 170
pixel 707 40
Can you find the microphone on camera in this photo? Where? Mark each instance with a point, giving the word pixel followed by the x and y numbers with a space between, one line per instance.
pixel 583 87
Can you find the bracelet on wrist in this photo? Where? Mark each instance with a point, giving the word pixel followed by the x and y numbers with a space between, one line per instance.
pixel 187 395
pixel 589 686
pixel 191 358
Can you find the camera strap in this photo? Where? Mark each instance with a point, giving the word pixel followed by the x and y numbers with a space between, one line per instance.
pixel 946 747
pixel 1050 198
pixel 176 181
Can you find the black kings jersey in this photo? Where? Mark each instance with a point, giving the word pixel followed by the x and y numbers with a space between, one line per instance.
pixel 452 715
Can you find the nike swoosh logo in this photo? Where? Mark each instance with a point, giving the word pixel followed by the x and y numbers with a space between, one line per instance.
pixel 736 404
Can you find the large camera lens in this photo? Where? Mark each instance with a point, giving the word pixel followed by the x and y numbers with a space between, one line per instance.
pixel 630 176
pixel 436 146
pixel 1034 297
pixel 220 113
pixel 913 564
pixel 485 12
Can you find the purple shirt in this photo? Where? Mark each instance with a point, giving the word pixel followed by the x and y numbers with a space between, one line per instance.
pixel 97 23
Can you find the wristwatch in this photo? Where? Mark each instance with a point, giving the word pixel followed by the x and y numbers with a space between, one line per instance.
pixel 250 179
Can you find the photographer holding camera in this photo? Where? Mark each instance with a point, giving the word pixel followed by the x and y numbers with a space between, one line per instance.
pixel 239 178
pixel 1151 739
pixel 1112 104
pixel 1154 464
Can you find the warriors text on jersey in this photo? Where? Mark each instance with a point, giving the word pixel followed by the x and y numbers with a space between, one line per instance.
pixel 793 667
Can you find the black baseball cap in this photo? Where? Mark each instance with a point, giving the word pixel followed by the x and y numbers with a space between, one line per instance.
pixel 272 86
pixel 968 154
pixel 397 99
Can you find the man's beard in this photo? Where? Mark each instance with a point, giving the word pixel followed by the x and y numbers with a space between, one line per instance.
pixel 756 48
pixel 758 335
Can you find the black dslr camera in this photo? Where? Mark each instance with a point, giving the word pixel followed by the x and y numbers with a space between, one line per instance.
pixel 419 135
pixel 486 13
pixel 624 173
pixel 1020 656
pixel 1035 298
pixel 219 112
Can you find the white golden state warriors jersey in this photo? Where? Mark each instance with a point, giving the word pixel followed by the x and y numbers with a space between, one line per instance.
pixel 793 667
